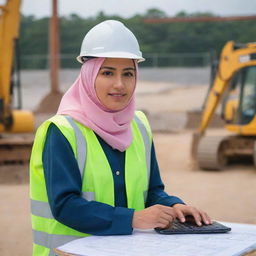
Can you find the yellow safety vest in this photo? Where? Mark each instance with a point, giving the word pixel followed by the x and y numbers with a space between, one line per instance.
pixel 97 178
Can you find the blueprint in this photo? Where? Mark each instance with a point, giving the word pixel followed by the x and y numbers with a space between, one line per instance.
pixel 234 243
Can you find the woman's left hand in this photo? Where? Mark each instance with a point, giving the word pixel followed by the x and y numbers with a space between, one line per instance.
pixel 183 210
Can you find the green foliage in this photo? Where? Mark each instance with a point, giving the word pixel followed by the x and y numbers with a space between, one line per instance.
pixel 34 41
pixel 155 13
pixel 163 39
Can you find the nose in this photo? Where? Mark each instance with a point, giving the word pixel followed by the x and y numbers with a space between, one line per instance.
pixel 118 83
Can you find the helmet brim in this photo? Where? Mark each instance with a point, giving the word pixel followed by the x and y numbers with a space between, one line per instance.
pixel 126 55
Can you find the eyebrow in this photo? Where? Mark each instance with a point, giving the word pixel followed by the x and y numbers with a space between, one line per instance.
pixel 111 68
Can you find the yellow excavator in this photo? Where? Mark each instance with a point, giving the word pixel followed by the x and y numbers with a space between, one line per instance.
pixel 234 85
pixel 13 147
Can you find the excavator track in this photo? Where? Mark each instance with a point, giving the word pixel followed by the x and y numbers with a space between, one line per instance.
pixel 214 151
pixel 15 149
pixel 211 154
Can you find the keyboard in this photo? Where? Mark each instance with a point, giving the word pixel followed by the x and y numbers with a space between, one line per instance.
pixel 191 228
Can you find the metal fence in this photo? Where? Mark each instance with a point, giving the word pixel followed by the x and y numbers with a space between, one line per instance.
pixel 152 60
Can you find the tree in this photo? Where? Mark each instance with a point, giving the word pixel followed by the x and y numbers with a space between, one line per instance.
pixel 155 13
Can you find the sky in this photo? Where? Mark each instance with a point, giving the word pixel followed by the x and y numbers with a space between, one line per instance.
pixel 128 8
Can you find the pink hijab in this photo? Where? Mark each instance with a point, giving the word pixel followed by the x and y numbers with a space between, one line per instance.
pixel 81 103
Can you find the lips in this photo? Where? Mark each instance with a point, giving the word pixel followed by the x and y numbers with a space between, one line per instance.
pixel 117 94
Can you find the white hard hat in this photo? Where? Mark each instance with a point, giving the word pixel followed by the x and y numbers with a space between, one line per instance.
pixel 110 39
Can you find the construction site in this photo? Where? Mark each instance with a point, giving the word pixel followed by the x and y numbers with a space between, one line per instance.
pixel 203 121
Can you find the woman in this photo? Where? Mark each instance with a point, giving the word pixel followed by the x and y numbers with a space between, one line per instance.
pixel 93 165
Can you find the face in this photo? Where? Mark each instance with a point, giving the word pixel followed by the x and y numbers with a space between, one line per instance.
pixel 115 83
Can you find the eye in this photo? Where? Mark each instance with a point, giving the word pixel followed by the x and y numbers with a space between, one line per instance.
pixel 129 74
pixel 107 73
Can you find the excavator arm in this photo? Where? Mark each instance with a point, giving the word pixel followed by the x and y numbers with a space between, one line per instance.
pixel 233 58
pixel 14 147
pixel 11 121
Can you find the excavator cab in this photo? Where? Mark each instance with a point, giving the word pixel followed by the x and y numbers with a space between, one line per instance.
pixel 247 107
pixel 239 103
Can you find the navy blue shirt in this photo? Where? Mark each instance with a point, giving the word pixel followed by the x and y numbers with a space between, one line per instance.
pixel 63 183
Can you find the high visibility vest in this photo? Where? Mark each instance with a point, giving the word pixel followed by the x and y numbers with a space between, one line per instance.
pixel 97 178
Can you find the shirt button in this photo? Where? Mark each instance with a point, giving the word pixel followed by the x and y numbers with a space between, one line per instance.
pixel 117 172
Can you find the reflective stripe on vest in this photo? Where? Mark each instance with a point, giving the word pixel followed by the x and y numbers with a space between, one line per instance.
pixel 51 240
pixel 147 144
pixel 81 145
pixel 41 209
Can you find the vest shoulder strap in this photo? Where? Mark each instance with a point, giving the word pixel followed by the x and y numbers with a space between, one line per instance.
pixel 81 145
pixel 146 134
pixel 143 119
pixel 68 126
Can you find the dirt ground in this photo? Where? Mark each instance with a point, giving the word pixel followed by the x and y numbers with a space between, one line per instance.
pixel 228 195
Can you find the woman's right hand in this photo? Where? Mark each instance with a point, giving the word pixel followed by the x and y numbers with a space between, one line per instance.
pixel 156 216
